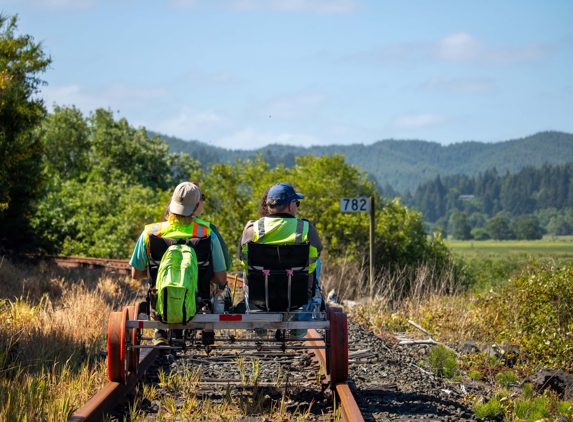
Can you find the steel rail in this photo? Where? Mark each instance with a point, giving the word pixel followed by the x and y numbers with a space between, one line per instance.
pixel 118 265
pixel 349 410
pixel 107 398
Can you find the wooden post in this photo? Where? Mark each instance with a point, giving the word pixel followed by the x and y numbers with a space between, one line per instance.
pixel 372 226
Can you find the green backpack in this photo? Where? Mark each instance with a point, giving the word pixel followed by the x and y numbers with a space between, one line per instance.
pixel 177 285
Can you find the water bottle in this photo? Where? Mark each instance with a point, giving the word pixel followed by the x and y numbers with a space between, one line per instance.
pixel 315 309
pixel 315 304
pixel 219 303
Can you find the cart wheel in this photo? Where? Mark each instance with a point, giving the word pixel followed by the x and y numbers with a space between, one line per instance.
pixel 134 334
pixel 116 347
pixel 338 347
pixel 330 311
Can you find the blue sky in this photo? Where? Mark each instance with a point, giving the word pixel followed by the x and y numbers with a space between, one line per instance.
pixel 242 74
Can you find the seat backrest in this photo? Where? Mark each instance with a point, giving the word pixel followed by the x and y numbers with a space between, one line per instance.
pixel 201 245
pixel 267 266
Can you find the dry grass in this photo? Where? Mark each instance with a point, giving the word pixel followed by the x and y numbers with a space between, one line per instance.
pixel 433 299
pixel 52 330
pixel 53 327
pixel 191 405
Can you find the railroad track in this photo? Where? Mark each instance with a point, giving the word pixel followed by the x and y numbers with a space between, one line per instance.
pixel 302 367
pixel 299 370
pixel 115 265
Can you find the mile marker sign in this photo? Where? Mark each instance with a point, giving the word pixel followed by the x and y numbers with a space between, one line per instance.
pixel 361 204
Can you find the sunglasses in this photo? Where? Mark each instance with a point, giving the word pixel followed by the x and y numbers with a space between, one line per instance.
pixel 203 197
pixel 297 204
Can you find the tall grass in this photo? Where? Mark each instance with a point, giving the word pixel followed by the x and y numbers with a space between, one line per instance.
pixel 52 331
pixel 351 281
pixel 53 327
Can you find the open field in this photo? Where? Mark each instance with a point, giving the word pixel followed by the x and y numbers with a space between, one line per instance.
pixel 559 248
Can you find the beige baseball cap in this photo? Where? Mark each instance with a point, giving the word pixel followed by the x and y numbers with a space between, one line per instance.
pixel 185 198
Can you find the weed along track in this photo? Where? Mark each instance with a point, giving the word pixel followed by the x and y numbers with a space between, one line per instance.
pixel 229 382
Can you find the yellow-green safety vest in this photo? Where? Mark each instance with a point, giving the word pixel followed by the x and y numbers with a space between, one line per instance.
pixel 176 230
pixel 280 231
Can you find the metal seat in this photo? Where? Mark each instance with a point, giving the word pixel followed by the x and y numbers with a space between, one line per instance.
pixel 278 278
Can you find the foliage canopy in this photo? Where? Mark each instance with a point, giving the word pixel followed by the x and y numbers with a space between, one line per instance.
pixel 21 63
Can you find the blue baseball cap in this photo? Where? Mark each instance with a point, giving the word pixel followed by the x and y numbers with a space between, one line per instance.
pixel 283 193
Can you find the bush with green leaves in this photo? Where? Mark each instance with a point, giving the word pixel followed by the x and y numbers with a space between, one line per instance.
pixel 490 410
pixel 506 379
pixel 535 313
pixel 97 219
pixel 443 361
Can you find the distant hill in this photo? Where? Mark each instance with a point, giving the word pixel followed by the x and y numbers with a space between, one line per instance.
pixel 404 164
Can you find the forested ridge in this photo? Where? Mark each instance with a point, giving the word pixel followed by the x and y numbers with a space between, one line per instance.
pixel 404 164
pixel 542 196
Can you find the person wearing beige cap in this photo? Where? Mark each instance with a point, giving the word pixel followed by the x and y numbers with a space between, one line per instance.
pixel 186 204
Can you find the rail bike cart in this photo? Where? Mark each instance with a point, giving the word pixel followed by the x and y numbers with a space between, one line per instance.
pixel 274 289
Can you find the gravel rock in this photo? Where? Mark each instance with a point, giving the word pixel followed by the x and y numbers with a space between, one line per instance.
pixel 390 384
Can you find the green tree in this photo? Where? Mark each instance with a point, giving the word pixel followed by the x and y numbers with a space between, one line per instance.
pixel 460 226
pixel 480 234
pixel 67 142
pixel 528 230
pixel 21 179
pixel 122 149
pixel 498 228
pixel 97 218
pixel 559 226
pixel 183 168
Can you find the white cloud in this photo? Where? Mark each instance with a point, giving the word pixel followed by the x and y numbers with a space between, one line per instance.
pixel 117 96
pixel 517 55
pixel 293 106
pixel 416 121
pixel 458 86
pixel 462 47
pixel 191 124
pixel 250 139
pixel 459 47
pixel 321 7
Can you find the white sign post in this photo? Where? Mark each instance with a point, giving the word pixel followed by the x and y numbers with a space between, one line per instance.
pixel 363 204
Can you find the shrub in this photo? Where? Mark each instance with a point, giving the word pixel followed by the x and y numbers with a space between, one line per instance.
pixel 506 379
pixel 475 375
pixel 535 313
pixel 531 410
pixel 490 410
pixel 480 234
pixel 527 391
pixel 443 362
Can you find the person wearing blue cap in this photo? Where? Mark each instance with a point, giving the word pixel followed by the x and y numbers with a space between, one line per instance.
pixel 279 225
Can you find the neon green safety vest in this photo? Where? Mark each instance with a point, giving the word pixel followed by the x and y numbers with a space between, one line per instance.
pixel 198 228
pixel 280 231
